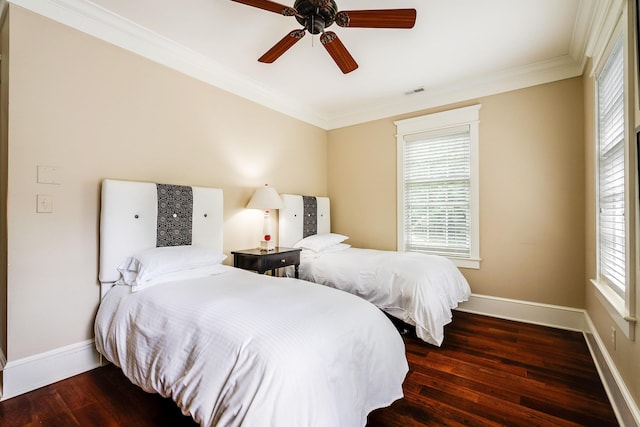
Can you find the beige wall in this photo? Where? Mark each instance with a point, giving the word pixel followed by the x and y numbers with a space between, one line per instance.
pixel 96 111
pixel 362 183
pixel 531 191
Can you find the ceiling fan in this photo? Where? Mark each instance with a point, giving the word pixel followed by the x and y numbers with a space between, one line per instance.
pixel 316 15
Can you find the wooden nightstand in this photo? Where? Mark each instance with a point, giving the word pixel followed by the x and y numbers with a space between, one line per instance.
pixel 261 261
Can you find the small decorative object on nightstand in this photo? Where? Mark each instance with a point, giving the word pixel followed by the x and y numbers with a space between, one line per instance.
pixel 262 261
pixel 266 198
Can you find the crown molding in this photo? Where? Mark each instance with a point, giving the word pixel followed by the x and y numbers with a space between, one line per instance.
pixel 603 23
pixel 518 78
pixel 89 18
pixel 101 23
pixel 582 31
pixel 594 18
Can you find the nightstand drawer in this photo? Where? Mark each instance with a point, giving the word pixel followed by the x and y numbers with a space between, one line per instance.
pixel 262 261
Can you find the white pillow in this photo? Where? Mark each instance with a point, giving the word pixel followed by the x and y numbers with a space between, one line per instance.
pixel 152 263
pixel 319 242
pixel 336 248
pixel 308 253
pixel 192 273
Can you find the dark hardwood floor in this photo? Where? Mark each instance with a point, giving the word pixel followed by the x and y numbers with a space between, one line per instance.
pixel 493 372
pixel 488 372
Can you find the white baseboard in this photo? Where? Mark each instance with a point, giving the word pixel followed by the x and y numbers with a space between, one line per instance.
pixel 30 373
pixel 569 318
pixel 624 406
pixel 572 319
pixel 3 361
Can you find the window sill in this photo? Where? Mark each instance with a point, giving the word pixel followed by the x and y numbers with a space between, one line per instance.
pixel 472 263
pixel 616 308
pixel 466 263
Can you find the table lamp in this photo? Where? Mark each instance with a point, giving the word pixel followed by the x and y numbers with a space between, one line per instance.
pixel 266 199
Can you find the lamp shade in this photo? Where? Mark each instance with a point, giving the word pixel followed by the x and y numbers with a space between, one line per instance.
pixel 265 198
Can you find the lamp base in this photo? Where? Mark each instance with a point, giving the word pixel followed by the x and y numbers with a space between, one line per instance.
pixel 267 245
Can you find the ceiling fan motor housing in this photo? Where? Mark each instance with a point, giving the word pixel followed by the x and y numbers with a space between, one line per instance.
pixel 316 15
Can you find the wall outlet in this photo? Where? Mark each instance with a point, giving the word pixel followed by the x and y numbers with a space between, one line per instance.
pixel 44 203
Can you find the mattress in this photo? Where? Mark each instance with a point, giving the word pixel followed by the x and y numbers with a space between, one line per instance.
pixel 242 349
pixel 417 288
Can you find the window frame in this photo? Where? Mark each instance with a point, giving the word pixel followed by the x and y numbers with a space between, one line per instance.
pixel 620 308
pixel 466 116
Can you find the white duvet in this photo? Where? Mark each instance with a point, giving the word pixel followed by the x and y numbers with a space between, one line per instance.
pixel 242 349
pixel 416 288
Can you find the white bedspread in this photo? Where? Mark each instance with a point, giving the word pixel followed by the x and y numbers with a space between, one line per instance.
pixel 241 349
pixel 416 288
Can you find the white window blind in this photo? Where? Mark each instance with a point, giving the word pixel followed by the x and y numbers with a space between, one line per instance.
pixel 437 192
pixel 611 171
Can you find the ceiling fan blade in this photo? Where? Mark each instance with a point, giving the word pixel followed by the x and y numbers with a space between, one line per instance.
pixel 270 6
pixel 282 46
pixel 338 52
pixel 380 18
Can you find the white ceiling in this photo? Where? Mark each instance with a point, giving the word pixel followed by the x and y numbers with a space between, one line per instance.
pixel 458 49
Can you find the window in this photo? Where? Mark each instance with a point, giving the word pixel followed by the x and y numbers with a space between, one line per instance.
pixel 438 185
pixel 615 199
pixel 611 172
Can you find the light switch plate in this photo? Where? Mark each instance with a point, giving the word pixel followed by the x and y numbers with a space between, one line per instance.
pixel 48 175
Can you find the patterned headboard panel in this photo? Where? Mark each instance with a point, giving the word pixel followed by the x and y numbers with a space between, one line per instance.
pixel 141 215
pixel 302 216
pixel 175 215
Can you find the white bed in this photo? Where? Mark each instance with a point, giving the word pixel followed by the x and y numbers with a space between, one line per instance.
pixel 231 347
pixel 419 289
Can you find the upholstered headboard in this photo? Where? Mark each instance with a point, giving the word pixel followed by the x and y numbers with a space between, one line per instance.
pixel 302 216
pixel 141 215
